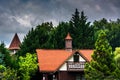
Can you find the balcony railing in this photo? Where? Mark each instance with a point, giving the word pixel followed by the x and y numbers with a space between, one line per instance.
pixel 75 66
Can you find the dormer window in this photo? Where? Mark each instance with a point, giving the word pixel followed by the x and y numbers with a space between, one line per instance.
pixel 76 57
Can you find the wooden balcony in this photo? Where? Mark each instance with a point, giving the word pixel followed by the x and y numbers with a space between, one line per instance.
pixel 75 66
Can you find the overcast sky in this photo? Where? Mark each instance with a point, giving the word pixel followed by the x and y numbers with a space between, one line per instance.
pixel 18 16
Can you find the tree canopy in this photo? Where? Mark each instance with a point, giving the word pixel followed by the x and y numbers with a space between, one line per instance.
pixel 49 37
pixel 5 58
pixel 81 31
pixel 27 66
pixel 36 38
pixel 102 65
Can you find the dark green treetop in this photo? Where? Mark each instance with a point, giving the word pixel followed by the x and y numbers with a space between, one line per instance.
pixel 36 38
pixel 82 32
pixel 5 58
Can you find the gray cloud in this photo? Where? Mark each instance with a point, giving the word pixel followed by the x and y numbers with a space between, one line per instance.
pixel 20 15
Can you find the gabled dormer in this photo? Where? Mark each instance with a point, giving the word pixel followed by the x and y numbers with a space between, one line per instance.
pixel 77 60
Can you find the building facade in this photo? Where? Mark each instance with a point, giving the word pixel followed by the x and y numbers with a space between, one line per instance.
pixel 67 64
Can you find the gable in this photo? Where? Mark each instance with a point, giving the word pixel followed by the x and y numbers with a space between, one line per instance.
pixel 71 59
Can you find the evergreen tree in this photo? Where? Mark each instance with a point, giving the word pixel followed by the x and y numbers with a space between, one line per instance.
pixel 112 28
pixel 82 32
pixel 114 34
pixel 5 58
pixel 102 64
pixel 60 34
pixel 36 38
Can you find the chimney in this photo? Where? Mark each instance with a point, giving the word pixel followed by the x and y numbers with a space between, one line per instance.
pixel 68 43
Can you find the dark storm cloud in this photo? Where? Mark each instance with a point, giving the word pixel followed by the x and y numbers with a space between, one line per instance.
pixel 20 15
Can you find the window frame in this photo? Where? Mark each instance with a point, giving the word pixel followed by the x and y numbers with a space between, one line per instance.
pixel 76 57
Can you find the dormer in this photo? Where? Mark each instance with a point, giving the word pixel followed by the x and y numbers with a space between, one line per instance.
pixel 68 43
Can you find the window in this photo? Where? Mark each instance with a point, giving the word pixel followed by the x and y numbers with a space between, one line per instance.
pixel 80 77
pixel 76 57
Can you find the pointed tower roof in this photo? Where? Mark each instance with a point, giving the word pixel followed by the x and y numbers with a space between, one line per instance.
pixel 68 36
pixel 15 42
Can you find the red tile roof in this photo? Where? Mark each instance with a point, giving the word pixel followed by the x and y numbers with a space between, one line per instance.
pixel 86 54
pixel 52 60
pixel 15 43
pixel 68 36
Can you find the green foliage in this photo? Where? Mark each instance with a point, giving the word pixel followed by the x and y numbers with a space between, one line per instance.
pixel 81 31
pixel 28 66
pixel 6 65
pixel 48 37
pixel 117 61
pixel 102 66
pixel 59 35
pixel 117 56
pixel 2 59
pixel 6 73
pixel 36 38
pixel 2 54
pixel 2 69
pixel 112 28
pixel 114 34
pixel 5 58
pixel 101 24
pixel 10 74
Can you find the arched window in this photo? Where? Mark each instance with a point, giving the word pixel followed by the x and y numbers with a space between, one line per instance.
pixel 76 57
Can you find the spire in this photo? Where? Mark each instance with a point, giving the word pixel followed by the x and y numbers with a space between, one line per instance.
pixel 68 36
pixel 15 43
pixel 68 42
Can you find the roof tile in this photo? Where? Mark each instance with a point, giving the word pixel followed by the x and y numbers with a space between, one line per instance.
pixel 15 43
pixel 51 60
pixel 86 54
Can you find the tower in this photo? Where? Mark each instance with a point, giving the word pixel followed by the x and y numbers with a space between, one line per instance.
pixel 14 46
pixel 68 43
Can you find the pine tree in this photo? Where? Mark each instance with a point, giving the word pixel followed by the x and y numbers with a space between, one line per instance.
pixel 5 58
pixel 102 65
pixel 81 31
pixel 36 38
pixel 60 34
